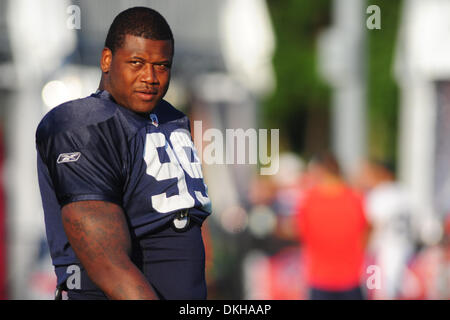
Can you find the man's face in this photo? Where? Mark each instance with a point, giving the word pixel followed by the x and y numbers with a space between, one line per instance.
pixel 138 73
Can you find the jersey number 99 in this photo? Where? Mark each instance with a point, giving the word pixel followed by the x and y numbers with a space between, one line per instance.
pixel 182 156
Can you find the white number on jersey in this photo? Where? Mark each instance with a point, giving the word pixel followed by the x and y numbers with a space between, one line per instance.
pixel 182 156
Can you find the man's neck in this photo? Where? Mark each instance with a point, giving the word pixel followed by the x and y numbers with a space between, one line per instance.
pixel 102 85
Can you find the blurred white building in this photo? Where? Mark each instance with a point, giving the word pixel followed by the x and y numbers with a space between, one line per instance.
pixel 422 69
pixel 342 60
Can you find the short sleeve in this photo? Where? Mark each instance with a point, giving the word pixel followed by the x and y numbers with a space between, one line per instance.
pixel 85 163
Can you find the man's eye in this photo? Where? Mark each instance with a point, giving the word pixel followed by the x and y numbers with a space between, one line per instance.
pixel 136 62
pixel 162 67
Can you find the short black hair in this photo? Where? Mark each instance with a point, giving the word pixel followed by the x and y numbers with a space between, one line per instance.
pixel 327 160
pixel 137 21
pixel 386 164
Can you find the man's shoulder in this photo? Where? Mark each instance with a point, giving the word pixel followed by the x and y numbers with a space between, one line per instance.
pixel 75 115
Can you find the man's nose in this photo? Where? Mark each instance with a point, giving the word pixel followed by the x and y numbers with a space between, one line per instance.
pixel 149 74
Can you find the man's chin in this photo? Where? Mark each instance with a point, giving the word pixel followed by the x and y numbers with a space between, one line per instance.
pixel 142 107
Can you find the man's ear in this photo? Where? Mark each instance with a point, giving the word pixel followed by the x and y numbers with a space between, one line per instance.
pixel 106 59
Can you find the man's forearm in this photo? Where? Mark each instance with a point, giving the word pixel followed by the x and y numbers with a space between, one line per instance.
pixel 99 235
pixel 120 284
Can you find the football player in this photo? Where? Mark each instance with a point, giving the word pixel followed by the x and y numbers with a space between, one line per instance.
pixel 121 182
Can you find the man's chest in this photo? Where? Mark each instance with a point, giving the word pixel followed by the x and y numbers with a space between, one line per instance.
pixel 165 173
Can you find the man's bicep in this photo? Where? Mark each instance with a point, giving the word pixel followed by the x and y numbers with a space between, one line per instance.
pixel 98 233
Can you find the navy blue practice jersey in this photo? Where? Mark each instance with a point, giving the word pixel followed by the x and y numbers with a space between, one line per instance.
pixel 95 149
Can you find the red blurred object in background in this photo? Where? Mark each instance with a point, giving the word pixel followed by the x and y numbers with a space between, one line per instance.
pixel 428 274
pixel 286 275
pixel 277 277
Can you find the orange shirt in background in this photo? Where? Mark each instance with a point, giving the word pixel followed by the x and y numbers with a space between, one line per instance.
pixel 332 224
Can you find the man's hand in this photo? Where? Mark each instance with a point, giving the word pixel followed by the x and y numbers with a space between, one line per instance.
pixel 98 233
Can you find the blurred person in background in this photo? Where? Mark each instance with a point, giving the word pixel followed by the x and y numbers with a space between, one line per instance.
pixel 290 186
pixel 276 273
pixel 388 208
pixel 428 274
pixel 332 228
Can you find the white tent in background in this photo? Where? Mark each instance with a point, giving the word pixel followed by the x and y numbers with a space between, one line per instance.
pixel 39 43
pixel 422 69
pixel 342 53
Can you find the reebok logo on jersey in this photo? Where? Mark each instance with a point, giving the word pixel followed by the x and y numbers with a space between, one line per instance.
pixel 68 157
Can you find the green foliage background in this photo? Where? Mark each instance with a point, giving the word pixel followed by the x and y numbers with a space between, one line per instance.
pixel 382 93
pixel 300 93
pixel 300 105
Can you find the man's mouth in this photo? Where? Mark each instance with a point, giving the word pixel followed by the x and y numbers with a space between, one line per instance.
pixel 146 94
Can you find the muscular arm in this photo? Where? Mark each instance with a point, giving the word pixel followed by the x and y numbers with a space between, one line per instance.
pixel 98 233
